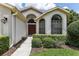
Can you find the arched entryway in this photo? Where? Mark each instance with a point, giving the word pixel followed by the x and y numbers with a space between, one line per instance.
pixel 31 27
pixel 31 24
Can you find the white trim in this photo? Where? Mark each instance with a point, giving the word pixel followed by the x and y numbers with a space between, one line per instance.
pixel 26 29
pixel 64 25
pixel 31 23
pixel 48 26
pixel 1 27
pixel 13 29
pixel 37 27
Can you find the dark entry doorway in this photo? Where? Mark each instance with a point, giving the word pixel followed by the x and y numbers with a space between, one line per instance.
pixel 31 29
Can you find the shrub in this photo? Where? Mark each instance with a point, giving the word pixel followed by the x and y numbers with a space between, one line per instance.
pixel 49 41
pixel 59 40
pixel 73 29
pixel 36 42
pixel 4 44
pixel 73 34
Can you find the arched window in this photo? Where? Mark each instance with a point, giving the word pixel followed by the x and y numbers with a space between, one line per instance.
pixel 31 21
pixel 56 24
pixel 31 16
pixel 42 26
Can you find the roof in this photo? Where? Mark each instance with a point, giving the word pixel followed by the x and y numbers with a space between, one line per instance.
pixel 14 10
pixel 53 9
pixel 32 9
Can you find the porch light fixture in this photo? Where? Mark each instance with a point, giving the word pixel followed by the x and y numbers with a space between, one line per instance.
pixel 4 20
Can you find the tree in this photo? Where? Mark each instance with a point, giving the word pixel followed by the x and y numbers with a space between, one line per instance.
pixel 74 16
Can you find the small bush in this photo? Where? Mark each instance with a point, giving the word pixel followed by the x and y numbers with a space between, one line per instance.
pixel 73 34
pixel 49 41
pixel 59 40
pixel 4 44
pixel 36 42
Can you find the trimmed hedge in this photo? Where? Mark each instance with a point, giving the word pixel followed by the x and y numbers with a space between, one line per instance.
pixel 4 44
pixel 49 41
pixel 73 34
pixel 36 42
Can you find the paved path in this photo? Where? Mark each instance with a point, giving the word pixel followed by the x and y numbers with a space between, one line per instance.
pixel 24 49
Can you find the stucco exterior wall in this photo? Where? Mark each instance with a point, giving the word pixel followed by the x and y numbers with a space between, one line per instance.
pixel 4 12
pixel 6 29
pixel 13 24
pixel 27 13
pixel 48 17
pixel 20 30
pixel 31 12
pixel 16 28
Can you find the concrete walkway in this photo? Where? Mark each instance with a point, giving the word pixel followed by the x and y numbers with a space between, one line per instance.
pixel 24 49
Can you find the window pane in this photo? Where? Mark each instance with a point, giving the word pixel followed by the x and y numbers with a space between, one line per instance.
pixel 42 26
pixel 31 21
pixel 56 24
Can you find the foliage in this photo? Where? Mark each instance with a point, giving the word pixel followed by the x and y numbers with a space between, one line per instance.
pixel 49 41
pixel 74 16
pixel 4 44
pixel 73 29
pixel 36 42
pixel 73 34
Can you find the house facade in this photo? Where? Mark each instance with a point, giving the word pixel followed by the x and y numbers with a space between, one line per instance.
pixel 54 21
pixel 17 24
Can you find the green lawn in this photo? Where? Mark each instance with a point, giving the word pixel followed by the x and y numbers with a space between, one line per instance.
pixel 56 52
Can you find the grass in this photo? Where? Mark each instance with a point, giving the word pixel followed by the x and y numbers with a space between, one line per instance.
pixel 56 52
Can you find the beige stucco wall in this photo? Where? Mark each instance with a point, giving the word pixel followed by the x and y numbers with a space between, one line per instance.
pixel 27 13
pixel 5 29
pixel 48 17
pixel 4 12
pixel 20 30
pixel 14 28
pixel 31 12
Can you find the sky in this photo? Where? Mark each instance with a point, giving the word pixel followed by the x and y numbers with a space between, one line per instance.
pixel 46 6
pixel 74 6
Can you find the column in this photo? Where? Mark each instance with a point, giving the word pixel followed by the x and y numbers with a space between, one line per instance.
pixel 26 28
pixel 37 27
pixel 64 25
pixel 13 28
pixel 1 26
pixel 48 25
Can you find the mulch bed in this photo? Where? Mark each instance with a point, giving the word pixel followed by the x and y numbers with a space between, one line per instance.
pixel 72 47
pixel 13 48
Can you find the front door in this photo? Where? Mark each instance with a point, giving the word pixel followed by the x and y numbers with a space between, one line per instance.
pixel 31 29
